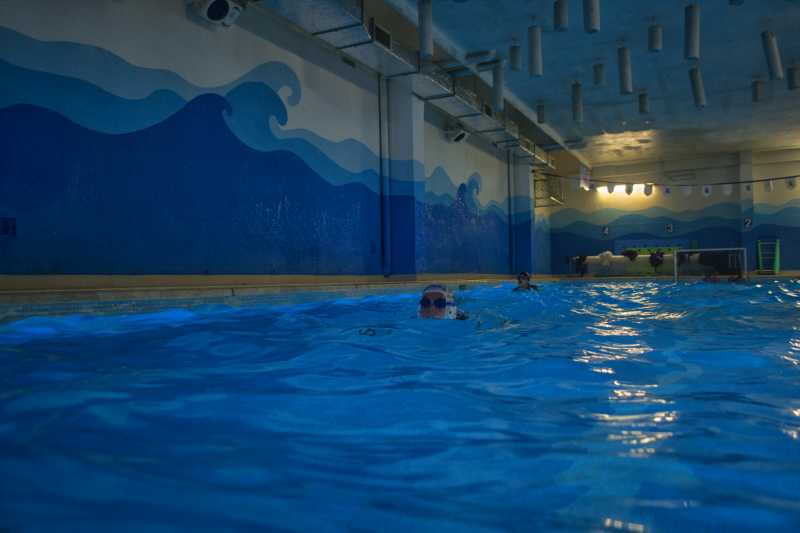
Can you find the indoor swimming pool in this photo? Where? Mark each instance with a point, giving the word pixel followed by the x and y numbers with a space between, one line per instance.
pixel 618 406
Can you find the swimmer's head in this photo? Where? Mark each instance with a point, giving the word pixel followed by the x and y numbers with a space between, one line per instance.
pixel 436 302
pixel 524 280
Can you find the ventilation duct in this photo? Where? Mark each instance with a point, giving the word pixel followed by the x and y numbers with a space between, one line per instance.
pixel 625 74
pixel 698 89
pixel 655 38
pixel 599 74
pixel 591 15
pixel 577 102
pixel 425 10
pixel 773 54
pixel 561 15
pixel 691 49
pixel 535 62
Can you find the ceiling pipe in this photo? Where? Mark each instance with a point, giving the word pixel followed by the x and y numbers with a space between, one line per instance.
pixel 599 74
pixel 625 73
pixel 577 102
pixel 540 116
pixel 773 53
pixel 425 11
pixel 698 88
pixel 758 91
pixel 561 15
pixel 591 15
pixel 535 60
pixel 691 48
pixel 515 56
pixel 644 103
pixel 655 38
pixel 498 85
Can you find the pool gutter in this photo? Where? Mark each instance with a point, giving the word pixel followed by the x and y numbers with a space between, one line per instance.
pixel 22 296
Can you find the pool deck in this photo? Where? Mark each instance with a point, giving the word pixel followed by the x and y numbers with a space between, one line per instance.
pixel 22 296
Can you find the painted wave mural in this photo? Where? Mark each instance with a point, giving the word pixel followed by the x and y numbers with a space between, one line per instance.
pixel 576 233
pixel 720 225
pixel 178 179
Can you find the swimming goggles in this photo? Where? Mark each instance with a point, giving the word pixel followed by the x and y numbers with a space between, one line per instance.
pixel 439 303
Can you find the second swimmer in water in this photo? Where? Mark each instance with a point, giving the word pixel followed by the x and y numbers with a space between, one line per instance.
pixel 524 283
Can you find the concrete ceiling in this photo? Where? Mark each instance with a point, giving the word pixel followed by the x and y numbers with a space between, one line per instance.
pixel 613 131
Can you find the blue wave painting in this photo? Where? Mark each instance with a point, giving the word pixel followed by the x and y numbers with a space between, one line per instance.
pixel 576 233
pixel 174 180
pixel 185 196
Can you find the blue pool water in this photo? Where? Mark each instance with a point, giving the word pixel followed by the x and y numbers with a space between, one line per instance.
pixel 603 407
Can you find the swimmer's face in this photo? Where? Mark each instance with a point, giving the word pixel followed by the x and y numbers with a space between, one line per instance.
pixel 433 304
pixel 524 282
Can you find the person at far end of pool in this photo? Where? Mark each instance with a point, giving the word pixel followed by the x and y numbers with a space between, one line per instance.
pixel 524 283
pixel 438 302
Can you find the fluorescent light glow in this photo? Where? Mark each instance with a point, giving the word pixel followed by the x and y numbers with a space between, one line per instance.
pixel 615 189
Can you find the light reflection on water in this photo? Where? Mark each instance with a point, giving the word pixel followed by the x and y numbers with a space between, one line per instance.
pixel 623 406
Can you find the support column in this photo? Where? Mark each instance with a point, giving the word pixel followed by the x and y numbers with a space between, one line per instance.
pixel 405 127
pixel 522 216
pixel 747 210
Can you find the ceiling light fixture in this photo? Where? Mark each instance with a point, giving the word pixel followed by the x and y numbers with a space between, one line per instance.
pixel 535 60
pixel 425 12
pixel 561 15
pixel 599 74
pixel 498 86
pixel 758 91
pixel 773 53
pixel 698 88
pixel 793 78
pixel 625 73
pixel 577 102
pixel 591 15
pixel 691 49
pixel 644 103
pixel 515 56
pixel 655 38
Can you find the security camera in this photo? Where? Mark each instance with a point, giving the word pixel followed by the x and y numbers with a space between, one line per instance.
pixel 218 12
pixel 456 134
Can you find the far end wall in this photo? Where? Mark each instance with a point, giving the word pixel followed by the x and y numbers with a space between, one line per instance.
pixel 721 217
